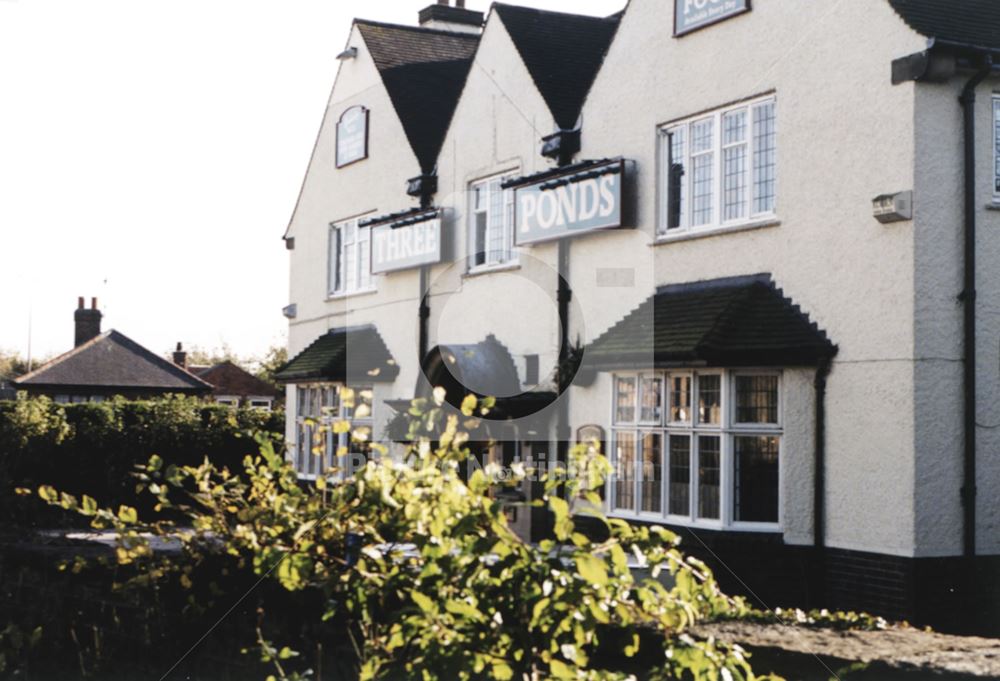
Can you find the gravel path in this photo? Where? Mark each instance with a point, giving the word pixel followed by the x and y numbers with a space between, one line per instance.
pixel 912 652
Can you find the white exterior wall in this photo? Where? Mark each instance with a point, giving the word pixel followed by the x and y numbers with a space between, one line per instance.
pixel 938 369
pixel 845 135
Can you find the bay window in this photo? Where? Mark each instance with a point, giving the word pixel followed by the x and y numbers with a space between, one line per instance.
pixel 718 168
pixel 317 407
pixel 350 258
pixel 491 223
pixel 697 448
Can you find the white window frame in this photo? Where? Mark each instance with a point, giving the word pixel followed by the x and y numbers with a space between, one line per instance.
pixel 492 259
pixel 727 430
pixel 322 408
pixel 341 280
pixel 996 148
pixel 749 217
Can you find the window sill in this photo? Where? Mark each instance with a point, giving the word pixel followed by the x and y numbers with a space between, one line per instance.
pixel 689 234
pixel 993 206
pixel 707 525
pixel 351 294
pixel 490 269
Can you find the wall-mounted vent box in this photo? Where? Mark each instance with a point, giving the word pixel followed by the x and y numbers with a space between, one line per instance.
pixel 893 207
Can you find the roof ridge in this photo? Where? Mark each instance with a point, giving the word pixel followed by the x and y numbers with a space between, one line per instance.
pixel 59 359
pixel 163 363
pixel 464 35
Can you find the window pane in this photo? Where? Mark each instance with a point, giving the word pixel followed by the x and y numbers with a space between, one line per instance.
pixel 756 479
pixel 764 158
pixel 676 187
pixel 709 468
pixel 652 473
pixel 624 455
pixel 702 171
pixel 651 389
pixel 680 399
pixel 710 399
pixel 680 475
pixel 756 399
pixel 625 400
pixel 363 403
pixel 365 253
pixel 734 164
pixel 479 248
pixel 495 230
pixel 336 261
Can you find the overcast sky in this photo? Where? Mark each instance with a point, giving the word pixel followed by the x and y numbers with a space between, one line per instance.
pixel 151 153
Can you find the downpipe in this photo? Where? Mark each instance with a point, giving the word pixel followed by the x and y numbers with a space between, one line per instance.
pixel 968 299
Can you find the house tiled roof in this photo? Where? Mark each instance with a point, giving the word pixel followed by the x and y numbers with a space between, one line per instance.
pixel 230 379
pixel 424 71
pixel 113 360
pixel 968 22
pixel 563 53
pixel 737 321
pixel 344 355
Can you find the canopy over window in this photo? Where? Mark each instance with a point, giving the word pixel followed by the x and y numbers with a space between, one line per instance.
pixel 737 321
pixel 347 355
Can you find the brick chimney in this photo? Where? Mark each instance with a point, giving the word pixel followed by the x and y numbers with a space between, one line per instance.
pixel 88 322
pixel 180 357
pixel 457 19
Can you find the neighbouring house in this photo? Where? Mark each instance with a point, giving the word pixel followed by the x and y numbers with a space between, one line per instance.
pixel 750 248
pixel 103 365
pixel 231 384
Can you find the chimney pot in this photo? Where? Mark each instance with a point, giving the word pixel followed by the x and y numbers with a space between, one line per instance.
pixel 460 4
pixel 79 303
pixel 87 322
pixel 180 357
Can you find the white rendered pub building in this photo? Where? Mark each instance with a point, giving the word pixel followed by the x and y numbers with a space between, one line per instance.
pixel 752 249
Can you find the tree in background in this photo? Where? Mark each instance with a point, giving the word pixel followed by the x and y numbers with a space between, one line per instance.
pixel 13 365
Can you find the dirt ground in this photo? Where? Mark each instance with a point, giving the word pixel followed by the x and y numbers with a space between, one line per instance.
pixel 898 652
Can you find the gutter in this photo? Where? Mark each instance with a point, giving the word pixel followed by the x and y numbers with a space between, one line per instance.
pixel 968 299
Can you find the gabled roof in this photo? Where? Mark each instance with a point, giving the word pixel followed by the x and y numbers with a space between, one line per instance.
pixel 343 355
pixel 423 71
pixel 975 23
pixel 736 321
pixel 113 360
pixel 563 53
pixel 229 379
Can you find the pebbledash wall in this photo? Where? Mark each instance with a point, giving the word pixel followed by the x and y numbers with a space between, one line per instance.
pixel 885 294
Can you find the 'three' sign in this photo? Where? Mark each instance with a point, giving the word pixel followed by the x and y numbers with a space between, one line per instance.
pixel 694 14
pixel 568 205
pixel 400 247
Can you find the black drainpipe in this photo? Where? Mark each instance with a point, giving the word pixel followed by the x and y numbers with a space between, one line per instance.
pixel 968 298
pixel 570 144
pixel 428 187
pixel 819 479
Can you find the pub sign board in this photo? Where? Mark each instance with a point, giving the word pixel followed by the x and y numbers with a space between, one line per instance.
pixel 352 136
pixel 690 15
pixel 580 202
pixel 405 246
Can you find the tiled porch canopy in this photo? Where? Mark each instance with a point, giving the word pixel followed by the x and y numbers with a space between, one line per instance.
pixel 736 321
pixel 348 355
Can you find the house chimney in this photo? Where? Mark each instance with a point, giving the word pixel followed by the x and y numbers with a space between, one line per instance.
pixel 180 357
pixel 87 322
pixel 457 19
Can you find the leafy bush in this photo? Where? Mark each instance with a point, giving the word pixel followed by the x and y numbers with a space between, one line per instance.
pixel 421 571
pixel 94 447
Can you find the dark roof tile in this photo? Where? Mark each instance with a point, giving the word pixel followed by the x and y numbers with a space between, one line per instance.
pixel 229 379
pixel 424 71
pixel 737 321
pixel 113 360
pixel 343 355
pixel 969 22
pixel 563 53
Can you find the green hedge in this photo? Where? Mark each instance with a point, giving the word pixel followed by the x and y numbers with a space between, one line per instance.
pixel 92 448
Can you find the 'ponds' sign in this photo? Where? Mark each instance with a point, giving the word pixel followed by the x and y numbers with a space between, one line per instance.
pixel 400 247
pixel 690 15
pixel 571 204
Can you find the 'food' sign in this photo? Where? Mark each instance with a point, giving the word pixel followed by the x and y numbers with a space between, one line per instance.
pixel 693 14
pixel 557 207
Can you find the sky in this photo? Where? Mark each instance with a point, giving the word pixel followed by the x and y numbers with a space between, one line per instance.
pixel 150 156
